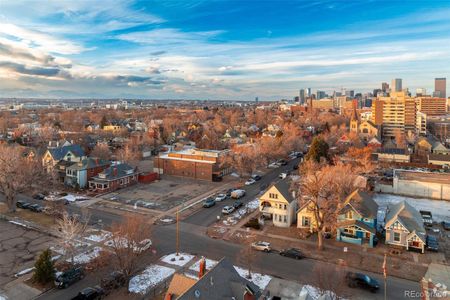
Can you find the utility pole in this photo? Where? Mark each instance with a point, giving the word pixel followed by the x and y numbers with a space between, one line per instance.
pixel 385 276
pixel 178 243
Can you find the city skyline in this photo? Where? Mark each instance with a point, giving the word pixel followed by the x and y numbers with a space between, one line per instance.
pixel 218 50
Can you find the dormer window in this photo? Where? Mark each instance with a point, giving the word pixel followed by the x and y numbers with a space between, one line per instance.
pixel 349 214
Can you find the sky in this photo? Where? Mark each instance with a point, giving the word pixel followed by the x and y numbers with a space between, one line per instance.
pixel 228 49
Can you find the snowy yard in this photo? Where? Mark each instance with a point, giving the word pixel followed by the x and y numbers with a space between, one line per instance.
pixel 85 257
pixel 259 279
pixel 98 236
pixel 241 212
pixel 439 209
pixel 149 278
pixel 180 260
pixel 74 198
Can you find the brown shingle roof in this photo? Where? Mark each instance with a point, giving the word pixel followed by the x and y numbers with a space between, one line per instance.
pixel 179 285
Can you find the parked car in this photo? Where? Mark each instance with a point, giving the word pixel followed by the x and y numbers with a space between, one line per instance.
pixel 273 165
pixel 427 218
pixel 282 162
pixel 237 204
pixel 220 197
pixel 36 208
pixel 39 196
pixel 256 177
pixel 446 225
pixel 68 277
pixel 261 246
pixel 432 243
pixel 292 253
pixel 283 175
pixel 250 181
pixel 362 281
pixel 209 202
pixel 236 194
pixel 22 204
pixel 90 293
pixel 228 192
pixel 227 210
pixel 113 281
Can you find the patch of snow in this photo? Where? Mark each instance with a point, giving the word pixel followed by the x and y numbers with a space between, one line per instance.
pixel 210 263
pixel 123 243
pixel 259 279
pixel 235 175
pixel 253 205
pixel 19 223
pixel 180 260
pixel 99 237
pixel 85 257
pixel 190 275
pixel 315 293
pixel 3 298
pixel 56 257
pixel 73 198
pixel 439 209
pixel 149 278
pixel 23 272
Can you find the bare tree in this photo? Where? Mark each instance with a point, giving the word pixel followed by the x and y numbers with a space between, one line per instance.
pixel 101 151
pixel 71 230
pixel 246 256
pixel 18 174
pixel 323 187
pixel 330 283
pixel 129 240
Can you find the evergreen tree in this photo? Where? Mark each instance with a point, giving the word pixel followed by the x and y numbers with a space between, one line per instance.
pixel 103 122
pixel 318 149
pixel 44 269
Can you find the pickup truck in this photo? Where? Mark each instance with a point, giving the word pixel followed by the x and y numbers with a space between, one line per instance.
pixel 427 218
pixel 236 194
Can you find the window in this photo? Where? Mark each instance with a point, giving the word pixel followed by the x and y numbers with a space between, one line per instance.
pixel 285 219
pixel 306 221
pixel 349 214
pixel 396 236
pixel 273 195
pixel 279 218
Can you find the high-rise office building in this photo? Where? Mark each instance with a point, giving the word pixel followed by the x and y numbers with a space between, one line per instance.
pixel 440 88
pixel 385 87
pixel 432 106
pixel 309 93
pixel 396 114
pixel 350 93
pixel 396 85
pixel 421 92
pixel 302 96
pixel 320 94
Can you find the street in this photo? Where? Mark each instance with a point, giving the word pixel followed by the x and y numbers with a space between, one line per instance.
pixel 207 216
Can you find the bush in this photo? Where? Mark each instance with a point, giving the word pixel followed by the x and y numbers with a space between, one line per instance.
pixel 253 223
pixel 44 268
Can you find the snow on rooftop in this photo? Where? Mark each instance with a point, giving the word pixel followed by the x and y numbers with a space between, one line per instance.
pixel 210 263
pixel 178 260
pixel 259 279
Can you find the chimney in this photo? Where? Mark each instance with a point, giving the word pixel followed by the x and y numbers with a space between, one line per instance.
pixel 202 268
pixel 294 194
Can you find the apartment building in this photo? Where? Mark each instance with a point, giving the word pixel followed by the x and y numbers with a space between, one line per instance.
pixel 396 113
pixel 432 106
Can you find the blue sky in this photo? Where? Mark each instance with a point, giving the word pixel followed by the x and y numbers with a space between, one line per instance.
pixel 218 49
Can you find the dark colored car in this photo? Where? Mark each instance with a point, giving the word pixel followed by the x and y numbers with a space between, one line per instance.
pixel 446 225
pixel 113 281
pixel 36 208
pixel 362 281
pixel 90 293
pixel 237 204
pixel 228 192
pixel 23 204
pixel 69 277
pixel 209 202
pixel 39 196
pixel 256 177
pixel 432 243
pixel 282 162
pixel 292 253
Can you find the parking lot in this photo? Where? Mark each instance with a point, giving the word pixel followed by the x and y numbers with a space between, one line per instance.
pixel 164 194
pixel 19 247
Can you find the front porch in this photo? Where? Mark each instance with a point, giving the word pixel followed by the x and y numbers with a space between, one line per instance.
pixel 356 232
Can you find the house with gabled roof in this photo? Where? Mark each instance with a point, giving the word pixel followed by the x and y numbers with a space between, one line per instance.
pixel 357 219
pixel 279 203
pixel 78 174
pixel 220 283
pixel 404 227
pixel 69 154
pixel 113 178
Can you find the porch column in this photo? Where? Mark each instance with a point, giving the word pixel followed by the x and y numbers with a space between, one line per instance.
pixel 371 240
pixel 338 234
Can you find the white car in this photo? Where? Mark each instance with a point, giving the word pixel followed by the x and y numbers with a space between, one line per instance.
pixel 250 181
pixel 283 175
pixel 227 210
pixel 274 165
pixel 261 246
pixel 220 197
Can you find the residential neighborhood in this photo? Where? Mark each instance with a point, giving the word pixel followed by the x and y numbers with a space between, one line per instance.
pixel 240 150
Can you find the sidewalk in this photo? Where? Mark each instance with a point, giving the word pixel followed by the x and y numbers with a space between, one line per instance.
pixel 18 290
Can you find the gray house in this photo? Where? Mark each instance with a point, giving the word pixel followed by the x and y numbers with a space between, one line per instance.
pixel 404 227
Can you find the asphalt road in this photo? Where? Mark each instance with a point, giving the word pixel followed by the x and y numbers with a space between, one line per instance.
pixel 207 216
pixel 195 242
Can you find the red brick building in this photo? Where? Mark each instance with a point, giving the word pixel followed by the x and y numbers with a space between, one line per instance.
pixel 113 178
